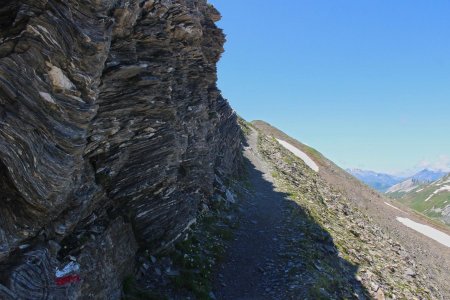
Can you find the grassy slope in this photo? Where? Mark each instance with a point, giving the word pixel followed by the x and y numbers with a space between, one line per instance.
pixel 416 200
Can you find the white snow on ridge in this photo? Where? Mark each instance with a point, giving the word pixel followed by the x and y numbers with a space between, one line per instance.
pixel 442 189
pixel 426 230
pixel 300 154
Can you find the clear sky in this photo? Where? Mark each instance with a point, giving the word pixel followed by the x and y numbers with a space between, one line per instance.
pixel 367 83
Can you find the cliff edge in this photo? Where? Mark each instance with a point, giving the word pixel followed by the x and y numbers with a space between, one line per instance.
pixel 112 133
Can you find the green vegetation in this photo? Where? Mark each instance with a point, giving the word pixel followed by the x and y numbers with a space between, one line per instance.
pixel 245 126
pixel 432 208
pixel 194 259
pixel 197 256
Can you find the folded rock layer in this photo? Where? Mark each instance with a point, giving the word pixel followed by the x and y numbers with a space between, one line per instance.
pixel 112 130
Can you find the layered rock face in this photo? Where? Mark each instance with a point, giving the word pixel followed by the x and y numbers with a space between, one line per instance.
pixel 112 131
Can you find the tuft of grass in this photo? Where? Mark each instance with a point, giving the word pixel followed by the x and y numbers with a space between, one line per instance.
pixel 197 256
pixel 246 127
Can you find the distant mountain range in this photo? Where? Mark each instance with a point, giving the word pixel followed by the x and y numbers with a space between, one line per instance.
pixel 379 181
pixel 395 184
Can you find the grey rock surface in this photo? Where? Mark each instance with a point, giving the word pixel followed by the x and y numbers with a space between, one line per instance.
pixel 112 131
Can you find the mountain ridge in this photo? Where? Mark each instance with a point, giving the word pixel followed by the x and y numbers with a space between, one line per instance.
pixel 413 182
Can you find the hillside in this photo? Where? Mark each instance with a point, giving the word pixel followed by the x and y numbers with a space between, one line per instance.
pixel 375 215
pixel 430 199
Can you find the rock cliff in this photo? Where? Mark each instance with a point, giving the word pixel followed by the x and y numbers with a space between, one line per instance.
pixel 112 132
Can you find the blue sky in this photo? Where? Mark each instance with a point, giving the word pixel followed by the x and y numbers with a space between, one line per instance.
pixel 367 83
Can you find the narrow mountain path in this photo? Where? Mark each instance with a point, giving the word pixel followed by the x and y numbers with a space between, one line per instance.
pixel 278 252
pixel 242 274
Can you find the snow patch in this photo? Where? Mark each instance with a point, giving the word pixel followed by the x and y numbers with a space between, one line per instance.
pixel 442 189
pixel 426 230
pixel 300 154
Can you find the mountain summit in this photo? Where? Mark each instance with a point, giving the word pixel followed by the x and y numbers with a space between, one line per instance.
pixel 428 175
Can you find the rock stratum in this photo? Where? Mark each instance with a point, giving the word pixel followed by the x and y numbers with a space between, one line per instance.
pixel 112 132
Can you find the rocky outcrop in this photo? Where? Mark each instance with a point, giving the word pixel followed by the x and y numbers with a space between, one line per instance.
pixel 112 130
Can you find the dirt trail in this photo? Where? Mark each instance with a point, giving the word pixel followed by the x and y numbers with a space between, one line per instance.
pixel 261 260
pixel 255 246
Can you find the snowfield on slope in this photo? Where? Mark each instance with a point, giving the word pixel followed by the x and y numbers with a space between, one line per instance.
pixel 300 154
pixel 426 230
pixel 442 189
